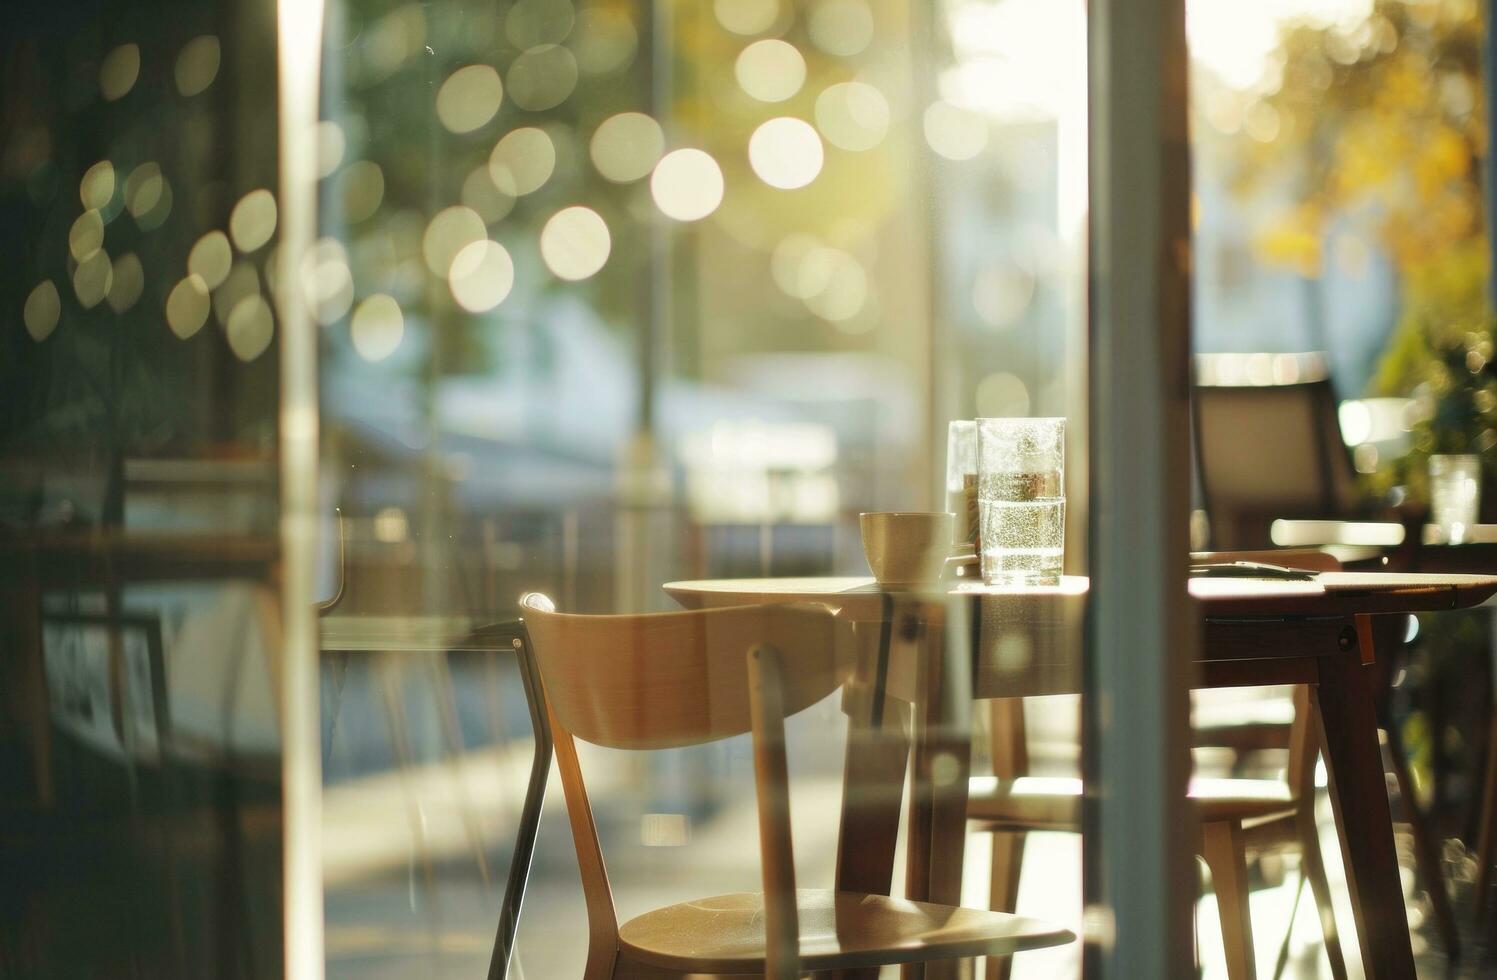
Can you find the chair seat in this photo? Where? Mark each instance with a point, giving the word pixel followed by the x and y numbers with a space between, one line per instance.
pixel 1054 802
pixel 725 934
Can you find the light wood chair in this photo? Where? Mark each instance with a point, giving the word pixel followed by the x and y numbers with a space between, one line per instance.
pixel 1237 816
pixel 674 679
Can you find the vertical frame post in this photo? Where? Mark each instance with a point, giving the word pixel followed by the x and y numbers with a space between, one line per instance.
pixel 299 61
pixel 1141 630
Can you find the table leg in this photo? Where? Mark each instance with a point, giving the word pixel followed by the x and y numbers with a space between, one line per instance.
pixel 938 796
pixel 1425 828
pixel 1346 698
pixel 878 751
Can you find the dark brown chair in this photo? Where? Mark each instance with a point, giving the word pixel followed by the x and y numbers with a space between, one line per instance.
pixel 1267 452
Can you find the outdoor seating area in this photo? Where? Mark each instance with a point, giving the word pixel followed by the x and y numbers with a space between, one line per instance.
pixel 534 489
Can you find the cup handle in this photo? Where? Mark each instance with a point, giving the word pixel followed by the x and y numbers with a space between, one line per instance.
pixel 957 567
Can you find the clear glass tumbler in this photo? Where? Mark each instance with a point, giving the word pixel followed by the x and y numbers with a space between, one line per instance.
pixel 1021 500
pixel 961 480
pixel 1455 494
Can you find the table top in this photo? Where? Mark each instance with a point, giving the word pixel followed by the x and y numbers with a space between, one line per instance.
pixel 1331 593
pixel 1383 534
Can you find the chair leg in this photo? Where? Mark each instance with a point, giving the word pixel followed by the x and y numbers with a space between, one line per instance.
pixel 1225 854
pixel 1427 858
pixel 1487 831
pixel 1312 867
pixel 1003 889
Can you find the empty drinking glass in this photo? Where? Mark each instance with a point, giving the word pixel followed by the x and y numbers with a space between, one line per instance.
pixel 961 479
pixel 1021 500
pixel 1455 494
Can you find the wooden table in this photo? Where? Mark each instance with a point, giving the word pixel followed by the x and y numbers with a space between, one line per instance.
pixel 1329 634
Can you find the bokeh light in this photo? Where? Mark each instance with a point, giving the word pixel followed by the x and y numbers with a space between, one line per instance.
pixel 210 258
pixel 197 65
pixel 394 38
pixel 129 282
pixel 746 17
pixel 450 231
pixel 253 220
pixel 852 115
pixel 833 284
pixel 604 40
pixel 331 145
pixel 1261 122
pixel 92 279
pixel 842 28
pixel 787 260
pixel 241 281
pixel 770 70
pixel 542 77
pixel 187 306
pixel 627 146
pixel 469 98
pixel 687 184
pixel 43 307
pixel 328 281
pixel 86 236
pixel 1002 395
pixel 953 132
pixel 96 189
pixel 143 189
pixel 531 23
pixel 361 188
pixel 481 276
pixel 377 327
pixel 575 243
pixel 156 216
pixel 250 328
pixel 480 194
pixel 118 72
pixel 786 153
pixel 522 161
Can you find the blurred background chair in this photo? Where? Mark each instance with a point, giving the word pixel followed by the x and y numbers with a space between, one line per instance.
pixel 1270 451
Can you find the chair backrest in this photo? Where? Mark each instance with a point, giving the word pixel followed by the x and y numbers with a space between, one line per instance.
pixel 1268 451
pixel 661 680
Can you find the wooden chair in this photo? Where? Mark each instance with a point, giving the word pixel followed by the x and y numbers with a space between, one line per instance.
pixel 675 679
pixel 1237 816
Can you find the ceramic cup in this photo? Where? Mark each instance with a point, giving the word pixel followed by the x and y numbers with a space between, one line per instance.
pixel 906 549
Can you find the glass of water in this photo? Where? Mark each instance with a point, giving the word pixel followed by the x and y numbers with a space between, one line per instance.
pixel 1455 494
pixel 1021 500
pixel 961 480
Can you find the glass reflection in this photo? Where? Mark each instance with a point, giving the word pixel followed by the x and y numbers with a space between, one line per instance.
pixel 139 743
